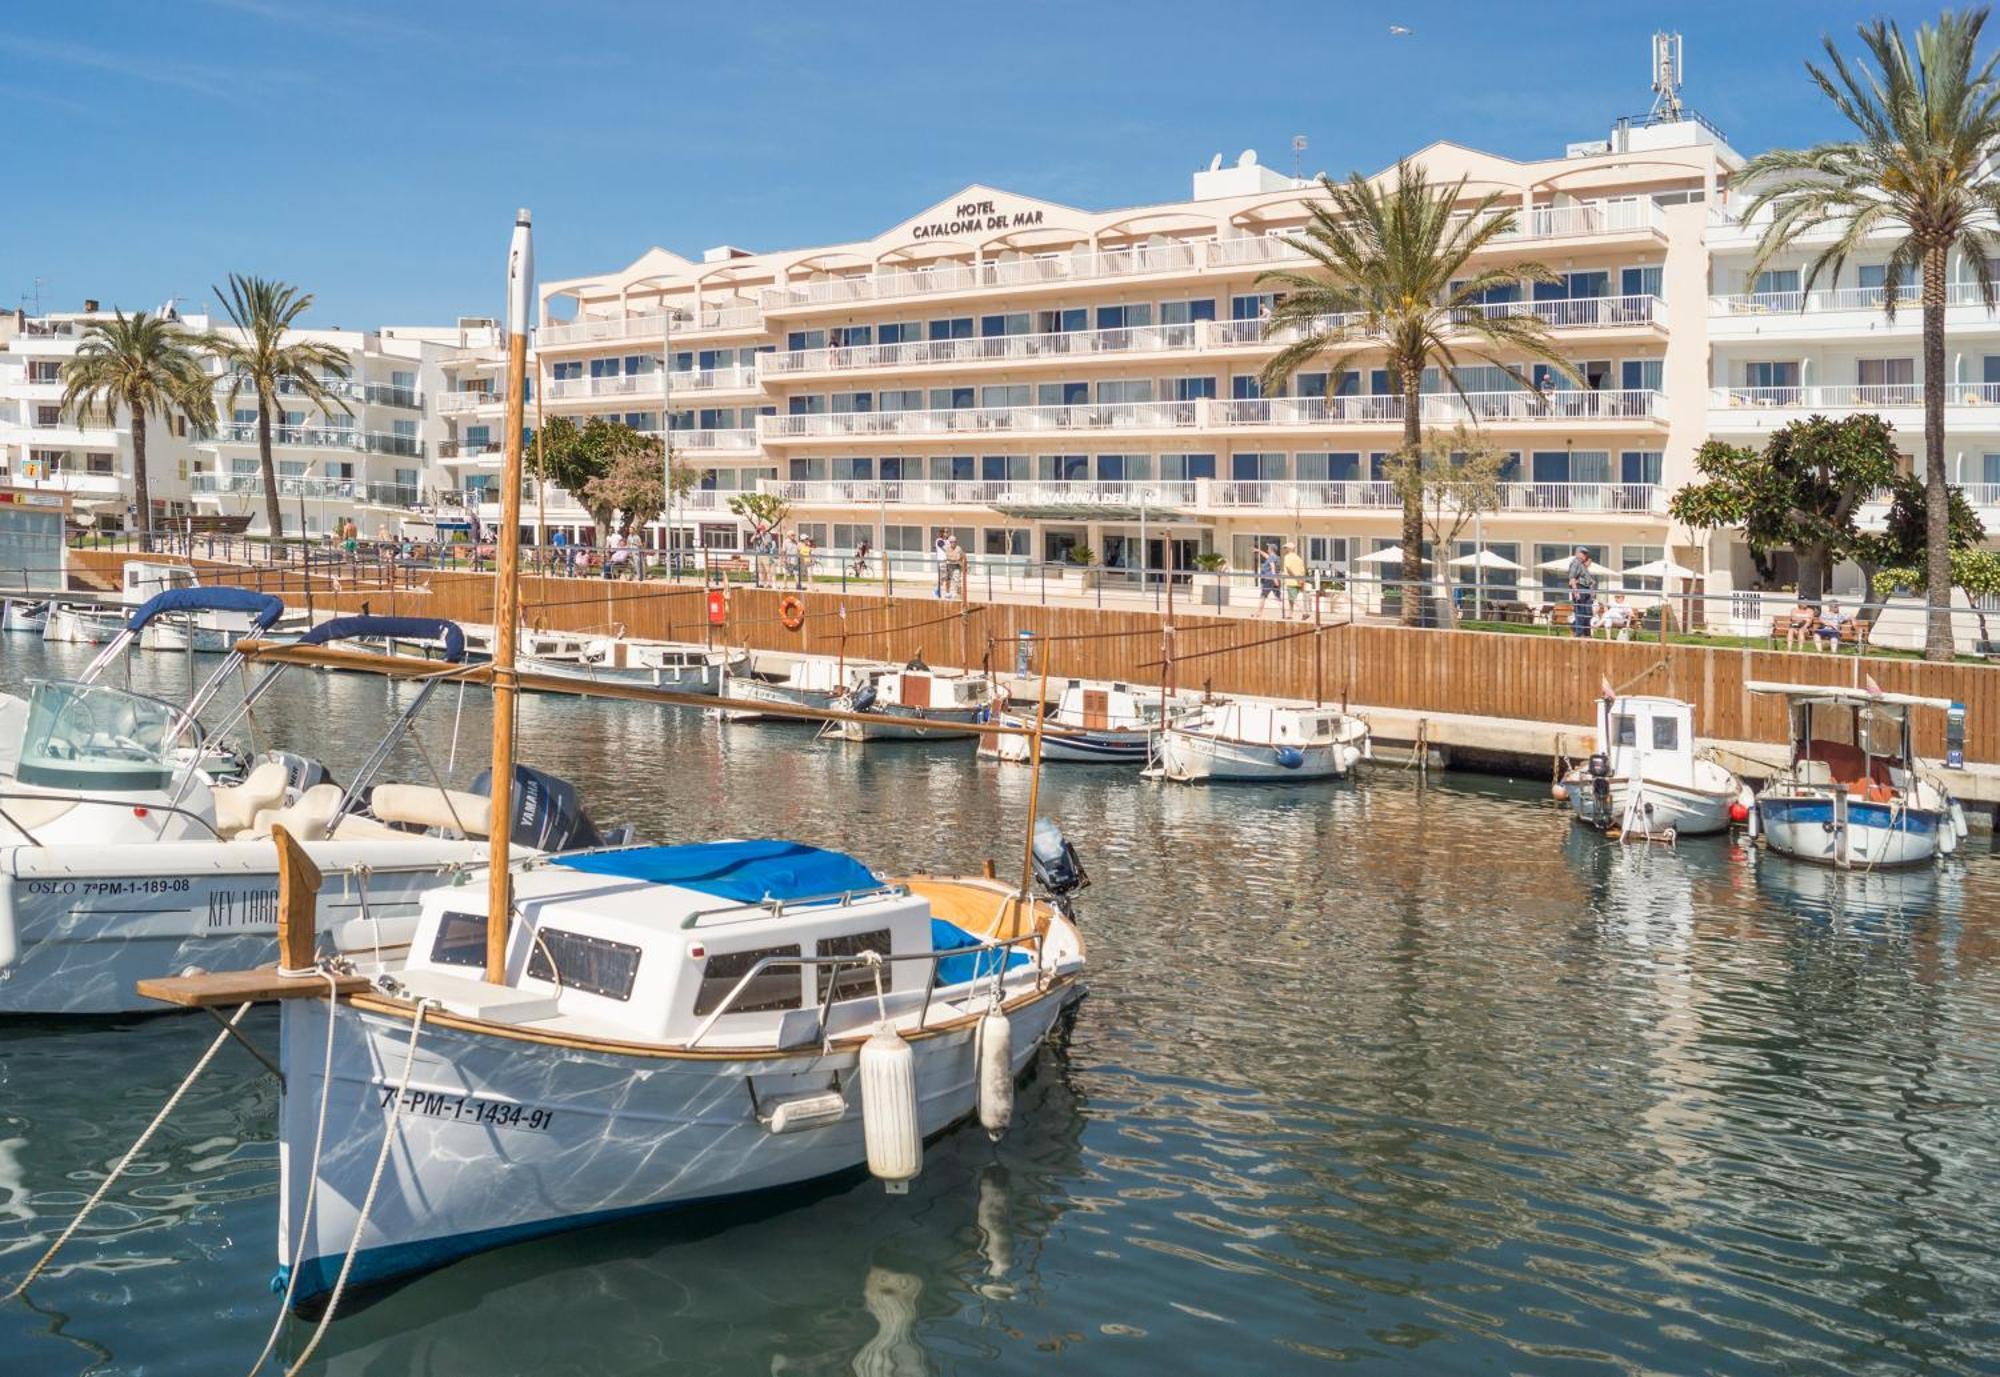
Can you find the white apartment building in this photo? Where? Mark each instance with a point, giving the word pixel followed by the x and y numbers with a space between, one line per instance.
pixel 1036 377
pixel 370 453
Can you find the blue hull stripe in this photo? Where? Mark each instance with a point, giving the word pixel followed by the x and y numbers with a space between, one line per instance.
pixel 1916 822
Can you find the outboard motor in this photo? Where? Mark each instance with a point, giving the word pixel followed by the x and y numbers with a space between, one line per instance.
pixel 548 812
pixel 1600 776
pixel 1056 864
pixel 301 773
pixel 863 699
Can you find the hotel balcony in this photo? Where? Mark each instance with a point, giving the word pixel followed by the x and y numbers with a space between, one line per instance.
pixel 711 441
pixel 320 437
pixel 460 454
pixel 1638 219
pixel 652 326
pixel 1839 313
pixel 1134 418
pixel 647 385
pixel 351 389
pixel 460 401
pixel 312 489
pixel 1969 406
pixel 1619 315
pixel 1206 497
pixel 78 481
pixel 1621 407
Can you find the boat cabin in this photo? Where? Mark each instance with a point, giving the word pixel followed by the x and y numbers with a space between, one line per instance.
pixel 1851 742
pixel 106 764
pixel 139 581
pixel 690 944
pixel 926 688
pixel 1096 708
pixel 1646 737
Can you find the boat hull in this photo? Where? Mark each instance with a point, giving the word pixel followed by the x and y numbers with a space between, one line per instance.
pixel 1687 812
pixel 1835 829
pixel 1075 747
pixel 1193 758
pixel 910 725
pixel 500 1139
pixel 68 626
pixel 24 617
pixel 736 689
pixel 80 925
pixel 697 679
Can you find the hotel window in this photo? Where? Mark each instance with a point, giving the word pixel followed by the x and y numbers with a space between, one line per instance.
pixel 1640 375
pixel 1187 312
pixel 1639 466
pixel 1005 394
pixel 1186 468
pixel 48 415
pixel 709 359
pixel 1243 549
pixel 951 468
pixel 403 379
pixel 852 468
pixel 1570 466
pixel 1771 375
pixel 1775 280
pixel 1873 277
pixel 1989 468
pixel 340 470
pixel 564 371
pixel 1252 307
pixel 1244 387
pixel 896 467
pixel 1062 394
pixel 1308 384
pixel 1062 468
pixel 849 336
pixel 1064 321
pixel 724 417
pixel 1013 323
pixel 1639 282
pixel 1257 468
pixel 637 420
pixel 1498 583
pixel 1007 541
pixel 1576 286
pixel 808 405
pixel 244 416
pixel 849 536
pixel 899 332
pixel 1124 317
pixel 956 327
pixel 44 372
pixel 1497 293
pixel 902 399
pixel 1124 468
pixel 805 339
pixel 1328 552
pixel 241 466
pixel 292 468
pixel 478 438
pixel 846 403
pixel 1004 468
pixel 807 470
pixel 1125 391
pixel 1326 468
pixel 1631 557
pixel 1057 543
pixel 294 418
pixel 1191 389
pixel 904 539
pixel 99 463
pixel 684 420
pixel 606 368
pixel 1896 379
pixel 951 399
pixel 963 534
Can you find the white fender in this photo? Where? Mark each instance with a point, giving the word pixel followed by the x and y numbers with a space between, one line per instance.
pixel 889 1109
pixel 994 1053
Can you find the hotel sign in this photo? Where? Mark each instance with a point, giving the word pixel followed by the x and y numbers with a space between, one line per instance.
pixel 970 217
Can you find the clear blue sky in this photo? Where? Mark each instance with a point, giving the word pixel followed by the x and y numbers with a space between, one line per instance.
pixel 374 152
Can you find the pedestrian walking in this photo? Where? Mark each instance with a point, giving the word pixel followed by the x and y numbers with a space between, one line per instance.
pixel 1582 585
pixel 1267 581
pixel 1294 565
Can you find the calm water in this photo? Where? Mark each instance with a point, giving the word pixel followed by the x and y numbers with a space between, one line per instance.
pixel 1379 1077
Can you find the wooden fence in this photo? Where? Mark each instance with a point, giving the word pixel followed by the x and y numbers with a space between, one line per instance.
pixel 1489 674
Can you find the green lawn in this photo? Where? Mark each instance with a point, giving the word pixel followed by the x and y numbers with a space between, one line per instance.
pixel 1685 638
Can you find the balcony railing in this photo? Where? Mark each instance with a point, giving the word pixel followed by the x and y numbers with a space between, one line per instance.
pixel 739 378
pixel 1073 266
pixel 1138 339
pixel 983 420
pixel 1447 408
pixel 309 487
pixel 459 449
pixel 1303 496
pixel 321 437
pixel 921 492
pixel 1643 499
pixel 468 399
pixel 389 394
pixel 1541 222
pixel 651 326
pixel 727 441
pixel 1845 398
pixel 1836 299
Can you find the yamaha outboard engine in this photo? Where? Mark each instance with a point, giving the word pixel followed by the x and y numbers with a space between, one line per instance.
pixel 548 812
pixel 1600 776
pixel 1056 865
pixel 863 699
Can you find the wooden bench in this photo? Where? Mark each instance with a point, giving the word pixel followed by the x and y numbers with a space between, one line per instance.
pixel 727 565
pixel 1853 631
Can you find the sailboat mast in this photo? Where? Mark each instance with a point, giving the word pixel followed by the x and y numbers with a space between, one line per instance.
pixel 507 601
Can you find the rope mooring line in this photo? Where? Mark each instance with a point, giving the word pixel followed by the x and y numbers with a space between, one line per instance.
pixel 131 1153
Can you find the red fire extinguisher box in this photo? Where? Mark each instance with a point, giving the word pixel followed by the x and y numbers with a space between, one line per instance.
pixel 718 607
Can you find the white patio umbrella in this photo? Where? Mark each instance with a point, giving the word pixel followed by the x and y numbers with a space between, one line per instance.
pixel 1661 569
pixel 1392 555
pixel 1483 559
pixel 1556 566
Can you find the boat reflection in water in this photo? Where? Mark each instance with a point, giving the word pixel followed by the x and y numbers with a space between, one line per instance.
pixel 1858 898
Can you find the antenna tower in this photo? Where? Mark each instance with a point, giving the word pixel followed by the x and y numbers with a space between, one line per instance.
pixel 1667 76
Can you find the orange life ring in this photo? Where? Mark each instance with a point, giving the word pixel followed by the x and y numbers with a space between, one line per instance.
pixel 792 613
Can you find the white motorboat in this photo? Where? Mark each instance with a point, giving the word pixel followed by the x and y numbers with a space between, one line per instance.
pixel 25 616
pixel 813 682
pixel 121 857
pixel 547 647
pixel 1092 725
pixel 1645 779
pixel 1853 793
pixel 139 581
pixel 653 664
pixel 1249 740
pixel 912 696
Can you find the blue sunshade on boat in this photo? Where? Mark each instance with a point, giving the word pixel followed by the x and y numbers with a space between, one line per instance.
pixel 746 871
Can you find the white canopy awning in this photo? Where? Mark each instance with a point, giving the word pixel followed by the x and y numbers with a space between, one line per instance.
pixel 1661 569
pixel 1484 559
pixel 1392 555
pixel 1557 566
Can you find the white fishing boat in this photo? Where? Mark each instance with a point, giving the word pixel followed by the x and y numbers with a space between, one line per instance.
pixel 812 682
pixel 1093 724
pixel 654 664
pixel 915 697
pixel 139 581
pixel 1853 793
pixel 24 616
pixel 121 857
pixel 1646 778
pixel 1249 740
pixel 547 647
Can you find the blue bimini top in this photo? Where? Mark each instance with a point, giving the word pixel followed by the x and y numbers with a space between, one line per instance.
pixel 745 871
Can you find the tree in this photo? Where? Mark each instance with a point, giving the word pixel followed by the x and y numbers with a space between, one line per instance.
pixel 1391 278
pixel 1801 491
pixel 149 366
pixel 763 510
pixel 1927 117
pixel 630 485
pixel 266 312
pixel 1454 479
pixel 1975 571
pixel 572 456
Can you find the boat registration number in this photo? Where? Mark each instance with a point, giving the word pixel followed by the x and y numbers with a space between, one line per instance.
pixel 470 1109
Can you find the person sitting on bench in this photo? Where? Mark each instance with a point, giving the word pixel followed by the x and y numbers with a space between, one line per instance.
pixel 1831 623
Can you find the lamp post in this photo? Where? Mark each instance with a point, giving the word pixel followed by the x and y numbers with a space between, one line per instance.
pixel 668 314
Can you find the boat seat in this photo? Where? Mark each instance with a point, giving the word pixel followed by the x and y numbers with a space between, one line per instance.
pixel 237 806
pixel 305 819
pixel 423 805
pixel 354 827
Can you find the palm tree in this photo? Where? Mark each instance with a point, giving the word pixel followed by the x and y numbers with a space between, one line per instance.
pixel 265 312
pixel 147 365
pixel 1927 121
pixel 1391 279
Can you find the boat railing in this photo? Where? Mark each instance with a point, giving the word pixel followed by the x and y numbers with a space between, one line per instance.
pixel 140 807
pixel 863 961
pixel 775 908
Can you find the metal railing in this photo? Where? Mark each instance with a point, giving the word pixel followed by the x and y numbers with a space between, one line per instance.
pixel 311 487
pixel 649 326
pixel 1835 299
pixel 983 420
pixel 738 378
pixel 1850 396
pixel 705 441
pixel 1205 494
pixel 468 399
pixel 1447 408
pixel 1051 493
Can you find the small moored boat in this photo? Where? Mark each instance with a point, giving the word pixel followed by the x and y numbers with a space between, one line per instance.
pixel 1092 725
pixel 813 682
pixel 1645 779
pixel 653 664
pixel 913 696
pixel 1249 740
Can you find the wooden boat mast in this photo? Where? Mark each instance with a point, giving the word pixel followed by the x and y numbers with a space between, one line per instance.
pixel 507 602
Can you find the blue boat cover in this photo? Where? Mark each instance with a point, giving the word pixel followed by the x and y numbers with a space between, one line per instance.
pixel 262 607
pixel 745 871
pixel 391 629
pixel 978 965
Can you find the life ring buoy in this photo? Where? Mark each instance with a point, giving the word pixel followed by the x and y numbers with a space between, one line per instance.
pixel 792 613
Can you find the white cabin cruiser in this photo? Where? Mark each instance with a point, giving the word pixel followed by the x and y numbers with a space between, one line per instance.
pixel 1248 740
pixel 121 858
pixel 139 581
pixel 1852 794
pixel 813 682
pixel 1645 780
pixel 1092 725
pixel 652 664
pixel 914 695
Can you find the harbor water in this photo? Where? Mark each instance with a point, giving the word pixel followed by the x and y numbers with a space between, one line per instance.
pixel 1374 1077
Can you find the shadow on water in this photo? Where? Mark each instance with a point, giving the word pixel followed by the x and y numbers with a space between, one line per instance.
pixel 1406 1078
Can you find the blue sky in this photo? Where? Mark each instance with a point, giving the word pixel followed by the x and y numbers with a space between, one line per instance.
pixel 374 152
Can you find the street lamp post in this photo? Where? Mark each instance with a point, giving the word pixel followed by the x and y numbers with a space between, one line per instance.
pixel 668 314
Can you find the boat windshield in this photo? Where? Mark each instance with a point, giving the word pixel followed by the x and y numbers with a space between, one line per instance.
pixel 1882 729
pixel 95 738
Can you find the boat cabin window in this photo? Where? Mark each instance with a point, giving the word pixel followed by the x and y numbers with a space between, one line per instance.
pixel 1666 734
pixel 1882 731
pixel 94 737
pixel 461 941
pixel 578 961
pixel 857 981
pixel 1624 729
pixel 776 987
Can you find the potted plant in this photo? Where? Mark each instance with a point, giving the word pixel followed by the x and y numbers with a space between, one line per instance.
pixel 1214 585
pixel 1085 559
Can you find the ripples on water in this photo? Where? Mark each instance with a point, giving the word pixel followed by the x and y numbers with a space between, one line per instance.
pixel 1393 1077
